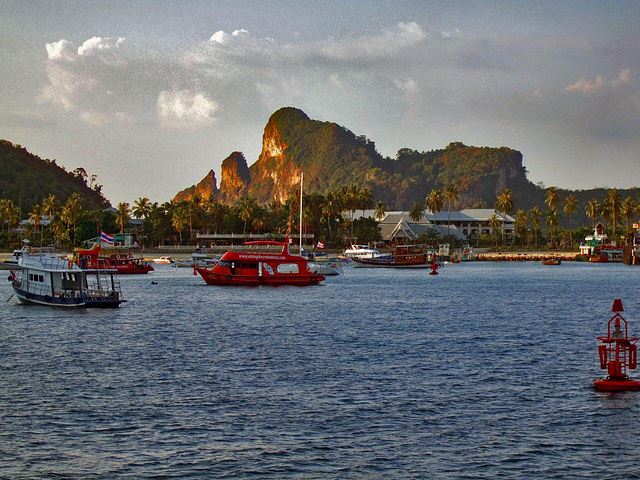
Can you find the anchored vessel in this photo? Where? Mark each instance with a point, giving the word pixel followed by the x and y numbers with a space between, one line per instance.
pixel 122 263
pixel 261 268
pixel 617 353
pixel 48 280
pixel 404 256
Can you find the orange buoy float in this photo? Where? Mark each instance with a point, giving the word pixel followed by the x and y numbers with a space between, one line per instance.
pixel 617 353
pixel 434 265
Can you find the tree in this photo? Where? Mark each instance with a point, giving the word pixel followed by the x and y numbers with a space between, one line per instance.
pixel 534 216
pixel 451 196
pixel 142 208
pixel 552 197
pixel 34 216
pixel 627 209
pixel 504 204
pixel 380 210
pixel 71 213
pixel 494 223
pixel 123 215
pixel 592 208
pixel 433 202
pixel 570 207
pixel 552 221
pixel 416 212
pixel 613 202
pixel 50 206
pixel 332 207
pixel 521 225
pixel 246 207
pixel 179 219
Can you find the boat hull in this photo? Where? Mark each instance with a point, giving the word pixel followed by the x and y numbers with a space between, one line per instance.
pixel 297 280
pixel 36 299
pixel 123 269
pixel 372 263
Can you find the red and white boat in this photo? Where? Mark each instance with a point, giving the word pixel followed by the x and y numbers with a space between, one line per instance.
pixel 122 263
pixel 261 268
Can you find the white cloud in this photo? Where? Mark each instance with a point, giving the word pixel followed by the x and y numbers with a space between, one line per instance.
pixel 60 50
pixel 99 43
pixel 219 37
pixel 407 85
pixel 388 42
pixel 589 87
pixel 455 33
pixel 185 109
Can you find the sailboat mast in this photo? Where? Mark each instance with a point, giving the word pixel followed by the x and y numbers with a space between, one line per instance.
pixel 301 180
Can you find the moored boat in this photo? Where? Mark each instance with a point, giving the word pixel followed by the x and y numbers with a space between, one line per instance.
pixel 261 268
pixel 360 251
pixel 165 260
pixel 122 263
pixel 45 279
pixel 403 256
pixel 551 261
pixel 198 259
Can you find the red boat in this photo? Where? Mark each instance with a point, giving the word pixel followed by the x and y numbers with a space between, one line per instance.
pixel 261 268
pixel 123 263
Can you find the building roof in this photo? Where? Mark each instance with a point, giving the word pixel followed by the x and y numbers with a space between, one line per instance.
pixel 468 215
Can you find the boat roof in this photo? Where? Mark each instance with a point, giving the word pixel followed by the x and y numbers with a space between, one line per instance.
pixel 48 263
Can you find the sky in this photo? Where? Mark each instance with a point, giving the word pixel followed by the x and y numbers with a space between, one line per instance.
pixel 151 95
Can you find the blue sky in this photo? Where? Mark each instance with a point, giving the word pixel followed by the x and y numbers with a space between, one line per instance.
pixel 151 95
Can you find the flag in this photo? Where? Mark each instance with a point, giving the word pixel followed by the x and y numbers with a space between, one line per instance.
pixel 320 245
pixel 106 238
pixel 135 244
pixel 636 225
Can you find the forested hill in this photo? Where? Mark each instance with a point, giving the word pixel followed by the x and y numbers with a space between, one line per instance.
pixel 27 179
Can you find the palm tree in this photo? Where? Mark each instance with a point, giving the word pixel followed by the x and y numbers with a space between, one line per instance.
pixel 123 215
pixel 142 208
pixel 521 224
pixel 95 216
pixel 627 209
pixel 494 223
pixel 551 198
pixel 592 208
pixel 34 216
pixel 504 205
pixel 50 206
pixel 433 202
pixel 380 211
pixel 246 207
pixel 570 207
pixel 365 199
pixel 416 212
pixel 71 212
pixel 332 207
pixel 534 216
pixel 613 201
pixel 451 196
pixel 552 221
pixel 179 219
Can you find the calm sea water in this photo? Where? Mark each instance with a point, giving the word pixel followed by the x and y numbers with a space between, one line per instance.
pixel 484 371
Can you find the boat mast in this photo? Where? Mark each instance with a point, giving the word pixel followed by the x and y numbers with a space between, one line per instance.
pixel 301 180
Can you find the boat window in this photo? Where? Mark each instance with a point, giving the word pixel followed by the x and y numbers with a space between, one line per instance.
pixel 249 265
pixel 31 277
pixel 224 263
pixel 41 278
pixel 287 268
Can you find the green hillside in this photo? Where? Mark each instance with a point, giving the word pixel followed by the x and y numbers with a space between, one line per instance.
pixel 27 179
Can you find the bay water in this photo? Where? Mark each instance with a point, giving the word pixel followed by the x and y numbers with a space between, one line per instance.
pixel 483 371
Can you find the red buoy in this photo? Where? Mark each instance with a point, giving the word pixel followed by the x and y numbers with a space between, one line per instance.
pixel 434 265
pixel 617 353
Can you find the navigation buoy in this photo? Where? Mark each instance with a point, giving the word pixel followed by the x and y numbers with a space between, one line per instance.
pixel 434 266
pixel 617 353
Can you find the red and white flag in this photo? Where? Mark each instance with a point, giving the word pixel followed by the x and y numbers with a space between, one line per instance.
pixel 320 245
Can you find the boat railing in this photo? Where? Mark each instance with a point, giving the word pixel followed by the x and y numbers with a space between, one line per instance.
pixel 55 263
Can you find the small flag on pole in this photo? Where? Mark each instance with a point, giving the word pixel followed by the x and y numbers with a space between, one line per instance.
pixel 636 225
pixel 320 245
pixel 106 238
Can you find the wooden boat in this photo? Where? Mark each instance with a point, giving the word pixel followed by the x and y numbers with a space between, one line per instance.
pixel 45 279
pixel 261 268
pixel 403 256
pixel 551 261
pixel 122 263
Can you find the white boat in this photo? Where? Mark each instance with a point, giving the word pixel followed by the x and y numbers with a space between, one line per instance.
pixel 198 259
pixel 325 268
pixel 12 263
pixel 360 251
pixel 45 279
pixel 166 259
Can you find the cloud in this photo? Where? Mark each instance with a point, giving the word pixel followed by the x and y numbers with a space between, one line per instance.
pixel 407 85
pixel 223 38
pixel 185 109
pixel 79 79
pixel 589 87
pixel 455 33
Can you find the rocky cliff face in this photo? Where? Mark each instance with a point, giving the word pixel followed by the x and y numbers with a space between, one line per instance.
pixel 204 190
pixel 235 178
pixel 331 157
